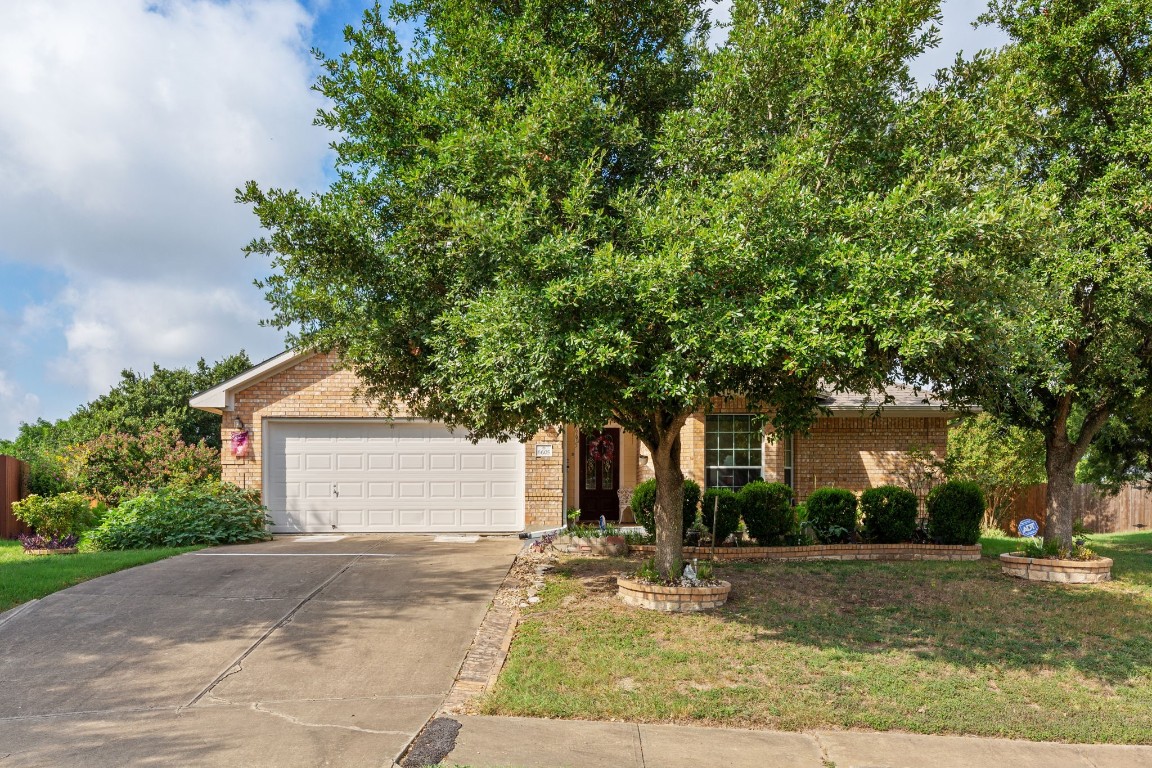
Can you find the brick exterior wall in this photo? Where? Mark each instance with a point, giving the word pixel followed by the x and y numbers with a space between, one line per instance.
pixel 858 453
pixel 316 388
pixel 845 451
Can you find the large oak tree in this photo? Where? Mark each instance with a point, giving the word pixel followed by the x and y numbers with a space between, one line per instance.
pixel 1063 118
pixel 568 212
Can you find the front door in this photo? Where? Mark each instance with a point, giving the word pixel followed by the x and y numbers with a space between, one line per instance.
pixel 600 474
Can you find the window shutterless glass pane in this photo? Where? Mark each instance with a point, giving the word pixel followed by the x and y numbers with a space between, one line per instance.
pixel 734 450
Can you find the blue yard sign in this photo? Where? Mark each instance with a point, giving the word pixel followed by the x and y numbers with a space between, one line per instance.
pixel 1027 527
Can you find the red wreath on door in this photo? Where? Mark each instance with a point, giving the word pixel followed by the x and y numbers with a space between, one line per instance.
pixel 602 448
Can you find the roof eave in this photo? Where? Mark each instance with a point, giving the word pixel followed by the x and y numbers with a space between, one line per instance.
pixel 222 397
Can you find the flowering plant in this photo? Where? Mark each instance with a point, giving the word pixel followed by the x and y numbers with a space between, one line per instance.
pixel 36 541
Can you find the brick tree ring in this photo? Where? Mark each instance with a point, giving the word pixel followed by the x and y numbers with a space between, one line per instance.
pixel 657 597
pixel 1059 571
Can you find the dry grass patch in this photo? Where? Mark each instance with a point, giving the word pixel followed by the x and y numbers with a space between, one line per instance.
pixel 922 647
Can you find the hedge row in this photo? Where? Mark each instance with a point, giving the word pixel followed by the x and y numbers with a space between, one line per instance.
pixel 885 515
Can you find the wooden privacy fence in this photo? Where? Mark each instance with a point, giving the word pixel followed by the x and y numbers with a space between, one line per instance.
pixel 13 473
pixel 1128 510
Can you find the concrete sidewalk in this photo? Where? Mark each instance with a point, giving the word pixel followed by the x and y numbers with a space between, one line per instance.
pixel 512 742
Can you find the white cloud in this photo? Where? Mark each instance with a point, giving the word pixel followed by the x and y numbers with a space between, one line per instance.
pixel 126 127
pixel 117 324
pixel 15 405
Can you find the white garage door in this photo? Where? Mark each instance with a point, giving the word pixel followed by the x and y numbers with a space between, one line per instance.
pixel 356 475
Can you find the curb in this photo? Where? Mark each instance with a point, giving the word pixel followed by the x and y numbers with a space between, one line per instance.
pixel 12 613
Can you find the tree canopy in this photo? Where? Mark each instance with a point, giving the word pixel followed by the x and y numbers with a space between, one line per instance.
pixel 153 407
pixel 1065 112
pixel 560 212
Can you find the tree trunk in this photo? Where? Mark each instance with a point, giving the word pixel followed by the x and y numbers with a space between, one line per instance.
pixel 1060 464
pixel 1061 455
pixel 669 503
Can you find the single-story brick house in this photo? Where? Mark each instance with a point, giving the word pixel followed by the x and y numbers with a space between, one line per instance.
pixel 325 460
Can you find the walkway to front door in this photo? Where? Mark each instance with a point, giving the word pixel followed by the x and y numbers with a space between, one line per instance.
pixel 600 474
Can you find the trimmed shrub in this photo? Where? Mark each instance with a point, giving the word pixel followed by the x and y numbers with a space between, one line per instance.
pixel 955 510
pixel 216 513
pixel 644 504
pixel 767 511
pixel 728 519
pixel 691 503
pixel 54 517
pixel 889 514
pixel 832 514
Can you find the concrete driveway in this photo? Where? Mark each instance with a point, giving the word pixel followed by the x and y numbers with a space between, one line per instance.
pixel 301 651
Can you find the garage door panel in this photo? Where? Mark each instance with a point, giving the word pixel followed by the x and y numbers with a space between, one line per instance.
pixel 322 490
pixel 442 461
pixel 381 461
pixel 412 490
pixel 372 476
pixel 351 518
pixel 474 518
pixel 318 461
pixel 505 517
pixel 412 461
pixel 413 518
pixel 445 518
pixel 470 491
pixel 381 518
pixel 474 462
pixel 350 461
pixel 442 491
pixel 381 490
pixel 502 490
pixel 350 490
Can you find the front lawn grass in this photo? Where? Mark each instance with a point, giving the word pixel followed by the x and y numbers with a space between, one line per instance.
pixel 26 577
pixel 948 647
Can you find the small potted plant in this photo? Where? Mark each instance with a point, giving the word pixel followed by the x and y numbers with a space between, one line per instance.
pixel 56 522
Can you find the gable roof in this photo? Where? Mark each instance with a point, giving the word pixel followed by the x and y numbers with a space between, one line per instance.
pixel 222 396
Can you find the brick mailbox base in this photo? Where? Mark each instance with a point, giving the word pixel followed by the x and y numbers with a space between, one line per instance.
pixel 656 597
pixel 1059 571
pixel 831 552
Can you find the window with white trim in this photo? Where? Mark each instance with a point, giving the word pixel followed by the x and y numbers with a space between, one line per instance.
pixel 733 450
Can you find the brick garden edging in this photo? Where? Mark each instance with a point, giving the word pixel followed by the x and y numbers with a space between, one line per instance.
pixel 656 597
pixel 610 546
pixel 1060 571
pixel 831 552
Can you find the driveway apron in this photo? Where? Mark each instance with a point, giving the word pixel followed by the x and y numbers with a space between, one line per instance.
pixel 300 651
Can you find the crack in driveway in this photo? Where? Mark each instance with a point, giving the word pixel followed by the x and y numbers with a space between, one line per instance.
pixel 256 707
pixel 236 666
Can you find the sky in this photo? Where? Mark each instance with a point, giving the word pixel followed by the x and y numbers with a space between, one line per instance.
pixel 125 128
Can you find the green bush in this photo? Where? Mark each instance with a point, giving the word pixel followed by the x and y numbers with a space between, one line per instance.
pixel 215 513
pixel 955 510
pixel 832 514
pixel 728 519
pixel 889 514
pixel 117 466
pixel 54 517
pixel 767 511
pixel 644 504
